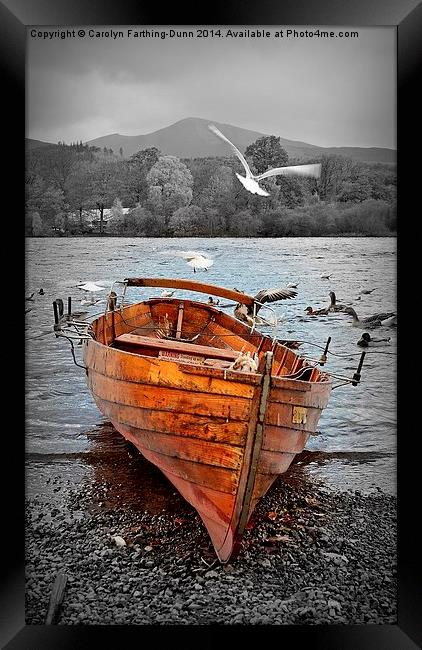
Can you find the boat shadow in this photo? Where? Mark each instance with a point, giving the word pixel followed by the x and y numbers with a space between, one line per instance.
pixel 129 480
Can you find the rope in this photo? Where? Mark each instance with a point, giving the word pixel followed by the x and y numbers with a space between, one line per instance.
pixel 297 375
pixel 72 349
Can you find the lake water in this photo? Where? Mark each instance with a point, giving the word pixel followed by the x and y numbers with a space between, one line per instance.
pixel 356 445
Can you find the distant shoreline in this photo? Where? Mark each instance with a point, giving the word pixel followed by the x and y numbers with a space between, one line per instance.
pixel 109 236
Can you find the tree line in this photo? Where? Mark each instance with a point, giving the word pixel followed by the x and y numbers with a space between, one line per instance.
pixel 168 196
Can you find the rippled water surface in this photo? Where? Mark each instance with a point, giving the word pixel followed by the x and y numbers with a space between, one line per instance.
pixel 356 445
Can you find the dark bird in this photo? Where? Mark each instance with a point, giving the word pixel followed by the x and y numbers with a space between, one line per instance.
pixel 389 322
pixel 250 181
pixel 31 297
pixel 370 321
pixel 41 292
pixel 334 306
pixel 317 312
pixel 366 291
pixel 367 341
pixel 326 277
pixel 245 313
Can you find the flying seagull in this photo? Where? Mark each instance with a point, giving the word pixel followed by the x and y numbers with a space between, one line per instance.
pixel 250 182
pixel 90 287
pixel 245 313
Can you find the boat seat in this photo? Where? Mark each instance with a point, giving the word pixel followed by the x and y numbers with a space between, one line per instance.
pixel 134 341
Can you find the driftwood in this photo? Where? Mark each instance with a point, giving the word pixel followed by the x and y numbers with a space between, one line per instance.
pixel 56 597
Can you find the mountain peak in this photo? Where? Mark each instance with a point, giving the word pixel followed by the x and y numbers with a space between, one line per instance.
pixel 191 138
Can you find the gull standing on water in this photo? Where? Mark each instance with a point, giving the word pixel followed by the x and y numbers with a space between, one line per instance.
pixel 250 182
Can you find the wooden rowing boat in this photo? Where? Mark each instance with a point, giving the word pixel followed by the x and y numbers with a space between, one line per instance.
pixel 164 372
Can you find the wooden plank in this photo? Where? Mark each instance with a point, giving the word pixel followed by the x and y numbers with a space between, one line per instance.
pixel 203 452
pixel 229 376
pixel 133 316
pixel 191 285
pixel 178 424
pixel 56 597
pixel 313 397
pixel 216 505
pixel 217 532
pixel 284 439
pixel 168 399
pixel 216 478
pixel 157 372
pixel 263 482
pixel 274 462
pixel 176 346
pixel 179 321
pixel 228 338
pixel 282 415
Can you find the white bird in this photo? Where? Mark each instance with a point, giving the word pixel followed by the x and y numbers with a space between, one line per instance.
pixel 166 294
pixel 90 301
pixel 198 261
pixel 245 362
pixel 250 182
pixel 90 287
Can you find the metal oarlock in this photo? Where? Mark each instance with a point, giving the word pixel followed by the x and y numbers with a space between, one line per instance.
pixel 356 376
pixel 323 358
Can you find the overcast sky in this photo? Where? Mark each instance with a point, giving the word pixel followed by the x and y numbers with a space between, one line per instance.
pixel 327 92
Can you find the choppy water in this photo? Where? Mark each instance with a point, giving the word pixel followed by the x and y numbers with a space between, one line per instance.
pixel 356 448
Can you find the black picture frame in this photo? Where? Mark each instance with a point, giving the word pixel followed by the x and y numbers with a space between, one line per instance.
pixel 15 15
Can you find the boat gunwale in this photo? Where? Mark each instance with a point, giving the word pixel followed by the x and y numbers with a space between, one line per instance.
pixel 278 381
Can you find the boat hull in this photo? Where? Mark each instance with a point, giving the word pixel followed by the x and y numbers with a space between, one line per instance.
pixel 221 437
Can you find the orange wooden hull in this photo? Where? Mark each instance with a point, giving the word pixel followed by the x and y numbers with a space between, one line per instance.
pixel 220 436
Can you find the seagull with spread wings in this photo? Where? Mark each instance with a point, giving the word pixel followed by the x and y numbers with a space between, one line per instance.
pixel 90 287
pixel 251 181
pixel 197 260
pixel 245 313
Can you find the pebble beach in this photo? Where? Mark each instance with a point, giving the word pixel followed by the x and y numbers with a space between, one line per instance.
pixel 311 555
